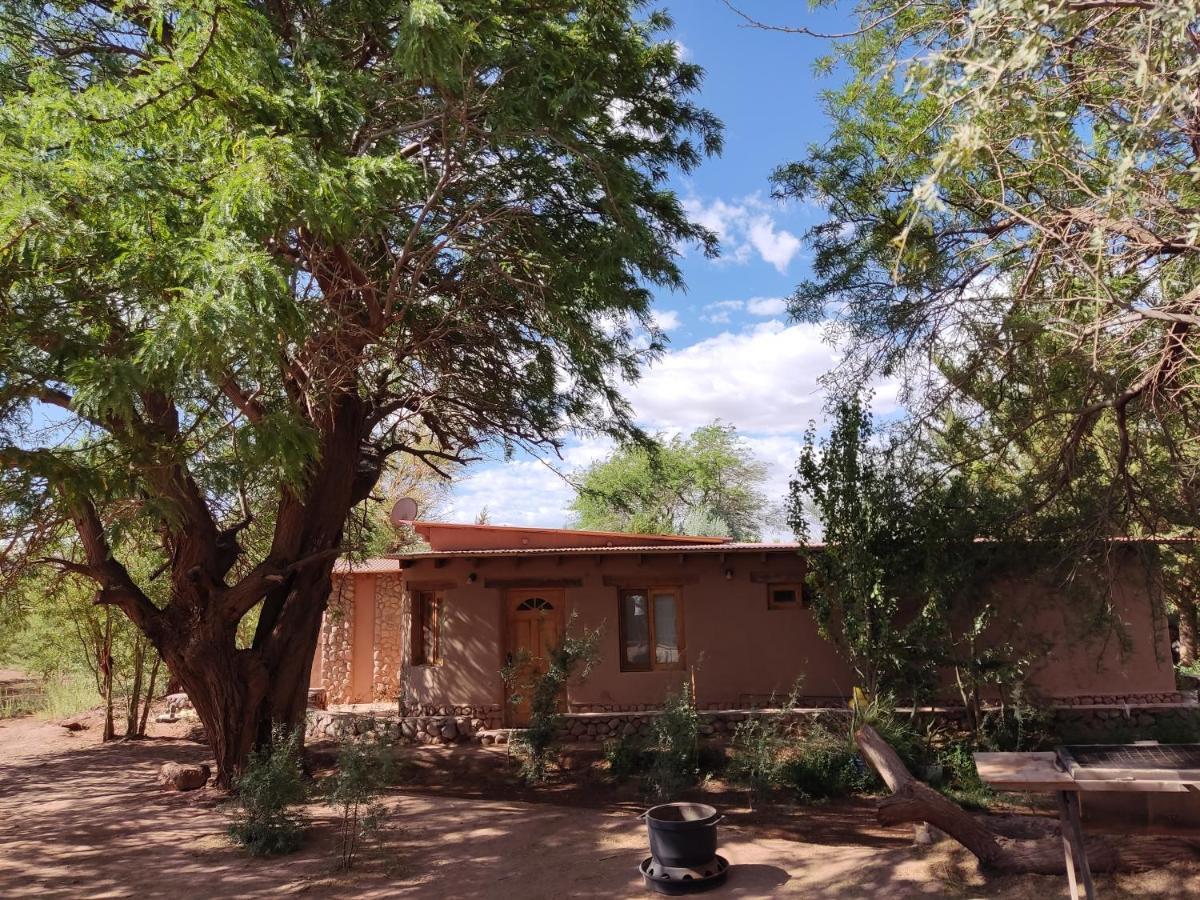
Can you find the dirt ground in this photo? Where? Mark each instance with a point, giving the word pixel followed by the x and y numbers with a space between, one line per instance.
pixel 83 819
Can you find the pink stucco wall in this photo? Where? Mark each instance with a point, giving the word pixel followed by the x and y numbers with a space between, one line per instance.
pixel 742 651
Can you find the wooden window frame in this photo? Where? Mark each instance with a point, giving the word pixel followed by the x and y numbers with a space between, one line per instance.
pixel 797 586
pixel 421 655
pixel 652 664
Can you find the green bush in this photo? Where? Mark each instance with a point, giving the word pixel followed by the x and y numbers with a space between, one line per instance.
pixel 626 756
pixel 759 749
pixel 674 746
pixel 266 793
pixel 1018 726
pixel 825 766
pixel 363 773
pixel 961 782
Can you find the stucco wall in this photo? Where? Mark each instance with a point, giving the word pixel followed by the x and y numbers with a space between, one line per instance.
pixel 741 651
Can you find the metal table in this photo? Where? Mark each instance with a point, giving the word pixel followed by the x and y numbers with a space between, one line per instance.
pixel 1146 767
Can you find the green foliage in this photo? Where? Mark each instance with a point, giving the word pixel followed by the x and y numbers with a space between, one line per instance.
pixel 265 796
pixel 673 746
pixel 760 747
pixel 85 654
pixel 251 252
pixel 66 695
pixel 626 757
pixel 824 766
pixel 537 746
pixel 1016 726
pixel 708 483
pixel 899 551
pixel 364 771
pixel 996 240
pixel 961 782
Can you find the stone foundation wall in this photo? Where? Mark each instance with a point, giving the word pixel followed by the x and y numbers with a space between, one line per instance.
pixel 449 725
pixel 404 729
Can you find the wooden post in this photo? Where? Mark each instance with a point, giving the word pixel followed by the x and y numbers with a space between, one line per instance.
pixel 1074 851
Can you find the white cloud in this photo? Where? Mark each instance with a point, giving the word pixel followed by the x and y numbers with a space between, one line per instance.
pixel 516 492
pixel 666 319
pixel 721 312
pixel 744 228
pixel 776 246
pixel 762 380
pixel 766 306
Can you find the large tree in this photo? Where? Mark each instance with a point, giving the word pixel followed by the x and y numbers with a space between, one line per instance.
pixel 256 249
pixel 707 483
pixel 1011 200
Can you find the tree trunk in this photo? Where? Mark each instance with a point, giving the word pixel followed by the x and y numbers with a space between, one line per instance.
pixel 106 667
pixel 241 695
pixel 1013 844
pixel 141 731
pixel 135 691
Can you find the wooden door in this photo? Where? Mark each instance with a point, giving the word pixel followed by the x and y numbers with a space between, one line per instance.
pixel 535 624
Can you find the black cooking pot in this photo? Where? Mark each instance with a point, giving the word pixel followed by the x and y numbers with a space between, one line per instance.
pixel 682 835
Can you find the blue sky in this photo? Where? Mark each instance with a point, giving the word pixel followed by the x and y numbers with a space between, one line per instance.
pixel 733 355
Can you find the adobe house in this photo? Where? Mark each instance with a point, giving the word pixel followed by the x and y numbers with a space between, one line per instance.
pixel 433 629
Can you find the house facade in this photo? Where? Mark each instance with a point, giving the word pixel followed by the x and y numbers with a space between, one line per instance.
pixel 434 629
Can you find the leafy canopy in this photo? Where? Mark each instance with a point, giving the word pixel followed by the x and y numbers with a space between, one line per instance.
pixel 1011 230
pixel 708 483
pixel 247 249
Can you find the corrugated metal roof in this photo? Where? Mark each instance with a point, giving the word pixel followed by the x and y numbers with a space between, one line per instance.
pixel 732 547
pixel 379 565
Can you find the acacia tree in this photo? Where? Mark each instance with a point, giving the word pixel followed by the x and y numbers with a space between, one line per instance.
pixel 255 250
pixel 708 482
pixel 1011 229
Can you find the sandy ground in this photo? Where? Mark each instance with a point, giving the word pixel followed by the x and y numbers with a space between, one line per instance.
pixel 82 819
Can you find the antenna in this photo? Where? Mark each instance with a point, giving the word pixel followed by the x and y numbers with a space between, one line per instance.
pixel 404 512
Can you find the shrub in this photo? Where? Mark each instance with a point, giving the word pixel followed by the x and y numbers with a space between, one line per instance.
pixel 626 756
pixel 1017 726
pixel 265 794
pixel 823 766
pixel 962 783
pixel 759 749
pixel 538 745
pixel 674 745
pixel 363 772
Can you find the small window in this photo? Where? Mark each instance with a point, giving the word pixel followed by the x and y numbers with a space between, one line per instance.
pixel 651 629
pixel 785 596
pixel 535 604
pixel 427 629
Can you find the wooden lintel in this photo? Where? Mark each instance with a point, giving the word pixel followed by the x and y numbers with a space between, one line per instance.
pixel 640 581
pixel 431 585
pixel 532 582
pixel 775 577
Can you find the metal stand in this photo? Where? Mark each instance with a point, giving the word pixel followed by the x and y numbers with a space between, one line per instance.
pixel 1073 849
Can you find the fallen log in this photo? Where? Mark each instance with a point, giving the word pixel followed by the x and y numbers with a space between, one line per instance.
pixel 1026 845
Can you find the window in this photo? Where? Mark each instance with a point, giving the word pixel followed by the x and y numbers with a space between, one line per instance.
pixel 427 628
pixel 651 629
pixel 786 596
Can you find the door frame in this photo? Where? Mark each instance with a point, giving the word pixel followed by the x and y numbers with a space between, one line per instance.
pixel 558 596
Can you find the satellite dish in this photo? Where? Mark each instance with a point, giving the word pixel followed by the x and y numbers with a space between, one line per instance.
pixel 404 511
